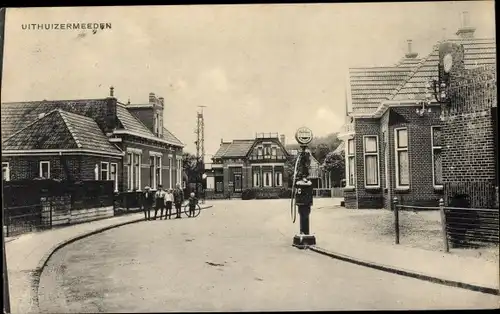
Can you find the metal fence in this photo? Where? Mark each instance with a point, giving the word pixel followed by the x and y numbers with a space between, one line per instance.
pixel 32 205
pixel 460 227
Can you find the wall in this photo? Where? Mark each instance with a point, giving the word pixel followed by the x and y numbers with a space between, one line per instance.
pixel 469 163
pixel 366 198
pixel 421 192
pixel 80 167
pixel 146 147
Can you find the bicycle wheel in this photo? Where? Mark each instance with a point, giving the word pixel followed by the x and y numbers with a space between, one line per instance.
pixel 195 213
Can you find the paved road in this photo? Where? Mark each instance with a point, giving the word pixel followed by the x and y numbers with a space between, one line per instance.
pixel 236 256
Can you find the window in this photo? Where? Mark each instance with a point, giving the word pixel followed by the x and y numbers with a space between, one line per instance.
pixel 268 178
pixel 402 162
pixel 386 158
pixel 256 177
pixel 158 177
pixel 219 184
pixel 371 161
pixel 137 171
pixel 104 171
pixel 278 179
pixel 267 150
pixel 6 171
pixel 273 151
pixel 179 171
pixel 129 172
pixel 152 172
pixel 170 172
pixel 113 174
pixel 350 154
pixel 437 167
pixel 259 151
pixel 45 169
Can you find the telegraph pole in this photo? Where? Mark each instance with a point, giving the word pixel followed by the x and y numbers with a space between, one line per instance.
pixel 200 145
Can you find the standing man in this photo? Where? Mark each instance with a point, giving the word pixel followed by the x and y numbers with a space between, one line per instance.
pixel 147 202
pixel 178 199
pixel 160 201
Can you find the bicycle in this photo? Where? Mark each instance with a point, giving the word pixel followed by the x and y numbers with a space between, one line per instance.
pixel 197 210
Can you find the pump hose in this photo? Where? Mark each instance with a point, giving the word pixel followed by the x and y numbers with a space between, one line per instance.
pixel 293 209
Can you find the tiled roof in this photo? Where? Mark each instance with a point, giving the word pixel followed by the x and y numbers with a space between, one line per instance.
pixel 130 122
pixel 169 136
pixel 17 115
pixel 370 86
pixel 222 149
pixel 477 52
pixel 60 130
pixel 238 148
pixel 407 79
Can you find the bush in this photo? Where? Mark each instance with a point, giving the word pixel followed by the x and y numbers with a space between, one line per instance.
pixel 248 194
pixel 285 192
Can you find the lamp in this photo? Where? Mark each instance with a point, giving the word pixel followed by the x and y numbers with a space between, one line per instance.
pixel 440 90
pixel 426 101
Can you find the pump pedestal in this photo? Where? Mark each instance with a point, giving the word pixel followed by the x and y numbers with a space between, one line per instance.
pixel 303 241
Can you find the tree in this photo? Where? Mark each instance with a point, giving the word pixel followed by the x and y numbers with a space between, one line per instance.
pixel 335 164
pixel 189 165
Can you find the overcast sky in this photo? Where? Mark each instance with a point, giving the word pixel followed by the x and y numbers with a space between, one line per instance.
pixel 257 68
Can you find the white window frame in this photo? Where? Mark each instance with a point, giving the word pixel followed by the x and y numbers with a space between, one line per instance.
pixel 385 141
pixel 377 154
pixel 153 175
pixel 158 167
pixel 111 165
pixel 271 179
pixel 278 177
pixel 170 164
pixel 136 171
pixel 179 170
pixel 256 178
pixel 102 169
pixel 7 172
pixel 396 158
pixel 348 161
pixel 130 164
pixel 433 148
pixel 48 171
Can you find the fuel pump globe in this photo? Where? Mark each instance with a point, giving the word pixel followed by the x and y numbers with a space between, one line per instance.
pixel 302 191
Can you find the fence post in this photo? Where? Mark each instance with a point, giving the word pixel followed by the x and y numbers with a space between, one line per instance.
pixel 443 226
pixel 396 218
pixel 50 215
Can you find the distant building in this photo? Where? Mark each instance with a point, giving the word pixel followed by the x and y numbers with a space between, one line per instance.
pixel 90 139
pixel 393 136
pixel 242 164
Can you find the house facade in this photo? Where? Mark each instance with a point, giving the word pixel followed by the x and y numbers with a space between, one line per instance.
pixel 244 164
pixel 393 136
pixel 90 139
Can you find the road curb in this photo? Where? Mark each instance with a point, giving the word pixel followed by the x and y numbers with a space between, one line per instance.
pixel 403 272
pixel 36 274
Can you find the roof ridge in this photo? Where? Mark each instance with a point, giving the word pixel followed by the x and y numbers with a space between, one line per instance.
pixel 63 115
pixel 29 125
pixel 52 100
pixel 413 72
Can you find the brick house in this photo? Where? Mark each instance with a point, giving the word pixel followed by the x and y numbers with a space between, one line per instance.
pixel 393 132
pixel 243 164
pixel 470 165
pixel 90 139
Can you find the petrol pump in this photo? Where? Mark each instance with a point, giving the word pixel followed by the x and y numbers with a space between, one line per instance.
pixel 302 190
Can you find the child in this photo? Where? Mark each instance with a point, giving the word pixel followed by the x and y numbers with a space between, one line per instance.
pixel 193 201
pixel 169 198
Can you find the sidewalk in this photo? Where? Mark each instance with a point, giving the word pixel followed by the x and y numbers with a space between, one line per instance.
pixel 451 269
pixel 28 254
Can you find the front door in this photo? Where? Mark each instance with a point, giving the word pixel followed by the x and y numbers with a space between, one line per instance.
pixel 237 183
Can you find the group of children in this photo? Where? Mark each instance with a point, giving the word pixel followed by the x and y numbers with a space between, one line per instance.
pixel 163 199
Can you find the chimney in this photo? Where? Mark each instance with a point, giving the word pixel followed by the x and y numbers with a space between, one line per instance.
pixel 282 139
pixel 465 31
pixel 161 99
pixel 111 91
pixel 410 54
pixel 152 98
